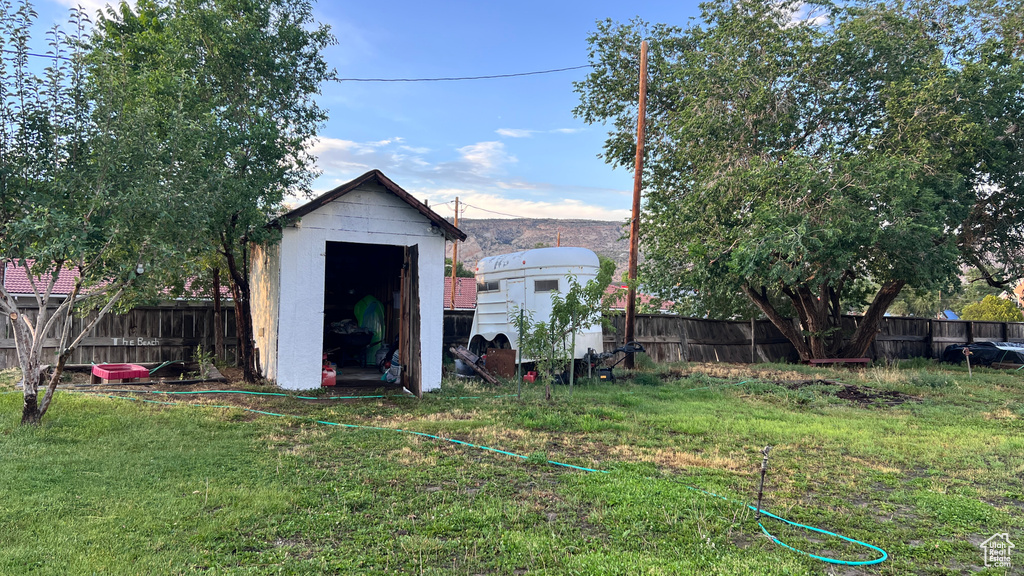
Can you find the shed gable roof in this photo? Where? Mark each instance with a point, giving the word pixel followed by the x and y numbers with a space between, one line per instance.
pixel 449 230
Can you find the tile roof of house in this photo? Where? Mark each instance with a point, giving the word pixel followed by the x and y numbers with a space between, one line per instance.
pixel 465 293
pixel 16 282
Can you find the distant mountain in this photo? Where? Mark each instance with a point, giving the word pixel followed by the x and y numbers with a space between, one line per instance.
pixel 490 237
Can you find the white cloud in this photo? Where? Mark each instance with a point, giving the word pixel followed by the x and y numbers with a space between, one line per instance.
pixel 341 158
pixel 479 173
pixel 90 6
pixel 812 15
pixel 484 205
pixel 485 157
pixel 515 132
pixel 525 133
pixel 415 149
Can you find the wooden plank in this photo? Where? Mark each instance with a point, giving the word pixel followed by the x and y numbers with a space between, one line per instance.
pixel 900 338
pixel 816 361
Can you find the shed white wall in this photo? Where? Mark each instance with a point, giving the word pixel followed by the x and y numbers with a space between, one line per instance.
pixel 368 215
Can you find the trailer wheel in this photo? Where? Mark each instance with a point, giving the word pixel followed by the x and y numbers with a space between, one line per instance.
pixel 478 346
pixel 501 342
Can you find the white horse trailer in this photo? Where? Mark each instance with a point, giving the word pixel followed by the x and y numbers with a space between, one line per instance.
pixel 526 280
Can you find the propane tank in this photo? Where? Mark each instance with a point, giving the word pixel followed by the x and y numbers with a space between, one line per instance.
pixel 329 374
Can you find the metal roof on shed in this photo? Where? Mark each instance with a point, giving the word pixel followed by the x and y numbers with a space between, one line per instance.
pixel 449 229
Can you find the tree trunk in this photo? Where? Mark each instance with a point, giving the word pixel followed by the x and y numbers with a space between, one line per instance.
pixel 243 314
pixel 824 335
pixel 218 318
pixel 30 413
pixel 779 321
pixel 31 378
pixel 862 338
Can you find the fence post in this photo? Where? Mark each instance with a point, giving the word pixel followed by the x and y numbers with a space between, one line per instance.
pixel 931 339
pixel 684 341
pixel 753 338
pixel 1006 332
pixel 970 332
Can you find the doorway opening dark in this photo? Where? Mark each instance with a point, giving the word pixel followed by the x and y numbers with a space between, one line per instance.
pixel 362 297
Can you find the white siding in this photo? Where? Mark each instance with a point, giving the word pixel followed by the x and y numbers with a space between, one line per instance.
pixel 367 215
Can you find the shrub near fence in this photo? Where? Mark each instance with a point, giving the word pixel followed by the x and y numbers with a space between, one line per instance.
pixel 145 334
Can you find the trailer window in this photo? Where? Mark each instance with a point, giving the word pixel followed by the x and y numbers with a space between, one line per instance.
pixel 489 286
pixel 545 285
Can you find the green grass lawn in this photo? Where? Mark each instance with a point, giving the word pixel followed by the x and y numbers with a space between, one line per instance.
pixel 919 460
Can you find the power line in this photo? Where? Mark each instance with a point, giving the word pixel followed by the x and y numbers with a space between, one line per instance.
pixel 454 78
pixel 50 56
pixel 336 79
pixel 493 211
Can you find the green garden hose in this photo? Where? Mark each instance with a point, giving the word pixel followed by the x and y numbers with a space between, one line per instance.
pixel 878 560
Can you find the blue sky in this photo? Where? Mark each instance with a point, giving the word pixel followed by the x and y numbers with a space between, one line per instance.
pixel 505 145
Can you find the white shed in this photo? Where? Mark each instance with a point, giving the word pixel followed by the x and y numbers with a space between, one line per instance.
pixel 367 241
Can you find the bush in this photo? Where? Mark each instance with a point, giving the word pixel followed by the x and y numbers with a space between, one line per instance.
pixel 992 309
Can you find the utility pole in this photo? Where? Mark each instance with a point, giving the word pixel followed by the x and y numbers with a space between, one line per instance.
pixel 634 225
pixel 558 238
pixel 455 252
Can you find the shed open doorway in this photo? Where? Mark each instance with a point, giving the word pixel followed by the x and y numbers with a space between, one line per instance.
pixel 368 295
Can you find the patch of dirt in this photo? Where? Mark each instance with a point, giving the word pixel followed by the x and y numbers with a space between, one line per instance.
pixel 677 459
pixel 731 371
pixel 860 394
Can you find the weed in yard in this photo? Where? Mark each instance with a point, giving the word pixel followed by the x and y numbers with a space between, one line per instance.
pixel 644 362
pixel 537 458
pixel 930 379
pixel 9 377
pixel 646 379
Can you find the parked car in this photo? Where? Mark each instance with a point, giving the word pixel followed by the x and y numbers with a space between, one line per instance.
pixel 986 353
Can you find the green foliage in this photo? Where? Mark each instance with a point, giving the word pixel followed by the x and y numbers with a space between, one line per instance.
pixel 460 270
pixel 244 114
pixel 797 160
pixel 551 342
pixel 929 303
pixel 74 159
pixel 204 361
pixel 994 309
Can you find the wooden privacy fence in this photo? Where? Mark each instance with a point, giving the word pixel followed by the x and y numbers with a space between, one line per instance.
pixel 173 331
pixel 669 338
pixel 675 338
pixel 145 334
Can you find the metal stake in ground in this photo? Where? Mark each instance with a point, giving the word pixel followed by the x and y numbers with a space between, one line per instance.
pixel 760 488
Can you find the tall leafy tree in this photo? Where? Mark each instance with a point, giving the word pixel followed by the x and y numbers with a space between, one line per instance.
pixel 991 71
pixel 254 67
pixel 993 309
pixel 815 159
pixel 83 192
